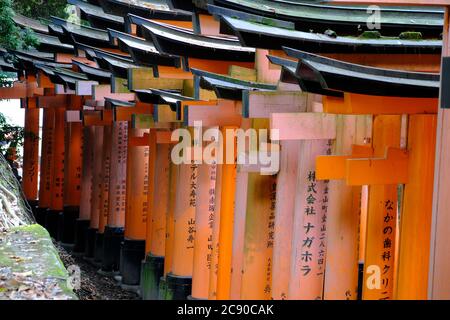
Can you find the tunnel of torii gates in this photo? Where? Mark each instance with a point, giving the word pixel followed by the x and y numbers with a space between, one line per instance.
pixel 356 209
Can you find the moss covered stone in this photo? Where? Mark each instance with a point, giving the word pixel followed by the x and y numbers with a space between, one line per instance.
pixel 29 250
pixel 410 35
pixel 370 35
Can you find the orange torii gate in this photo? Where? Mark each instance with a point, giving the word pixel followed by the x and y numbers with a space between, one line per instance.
pixel 439 274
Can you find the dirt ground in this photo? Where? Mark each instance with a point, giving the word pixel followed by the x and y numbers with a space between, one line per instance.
pixel 93 285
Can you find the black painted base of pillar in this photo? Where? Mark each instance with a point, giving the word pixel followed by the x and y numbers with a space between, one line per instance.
pixel 132 252
pixel 112 240
pixel 178 288
pixel 81 229
pixel 98 249
pixel 51 222
pixel 151 274
pixel 360 280
pixel 39 215
pixel 90 243
pixel 66 224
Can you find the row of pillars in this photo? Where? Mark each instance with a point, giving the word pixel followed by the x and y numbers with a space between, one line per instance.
pixel 347 216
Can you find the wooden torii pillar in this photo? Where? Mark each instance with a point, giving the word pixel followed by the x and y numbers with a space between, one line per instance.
pixel 72 174
pixel 133 245
pixel 315 132
pixel 407 267
pixel 218 114
pixel 31 151
pixel 439 272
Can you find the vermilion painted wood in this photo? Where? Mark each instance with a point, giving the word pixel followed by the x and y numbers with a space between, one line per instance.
pixel 415 222
pixel 46 165
pixel 137 179
pixel 204 221
pixel 87 173
pixel 380 252
pixel 160 204
pixel 118 174
pixel 226 225
pixel 31 151
pixel 104 184
pixel 73 156
pixel 364 104
pixel 345 206
pixel 57 195
pixel 97 177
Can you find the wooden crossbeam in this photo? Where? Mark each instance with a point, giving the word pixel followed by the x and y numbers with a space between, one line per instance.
pixel 335 167
pixel 364 104
pixel 259 104
pixel 304 126
pixel 393 169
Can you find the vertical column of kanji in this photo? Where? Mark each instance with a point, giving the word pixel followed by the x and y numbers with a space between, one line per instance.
pixel 96 191
pixel 114 232
pixel 212 291
pixel 309 226
pixel 72 174
pixel 179 281
pixel 439 272
pixel 102 252
pixel 381 218
pixel 343 223
pixel 159 212
pixel 46 165
pixel 259 225
pixel 415 222
pixel 204 221
pixel 228 188
pixel 31 152
pixel 133 249
pixel 57 197
pixel 83 222
pixel 284 217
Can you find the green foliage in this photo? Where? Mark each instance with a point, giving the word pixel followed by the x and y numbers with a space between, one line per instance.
pixel 11 36
pixel 10 136
pixel 40 8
